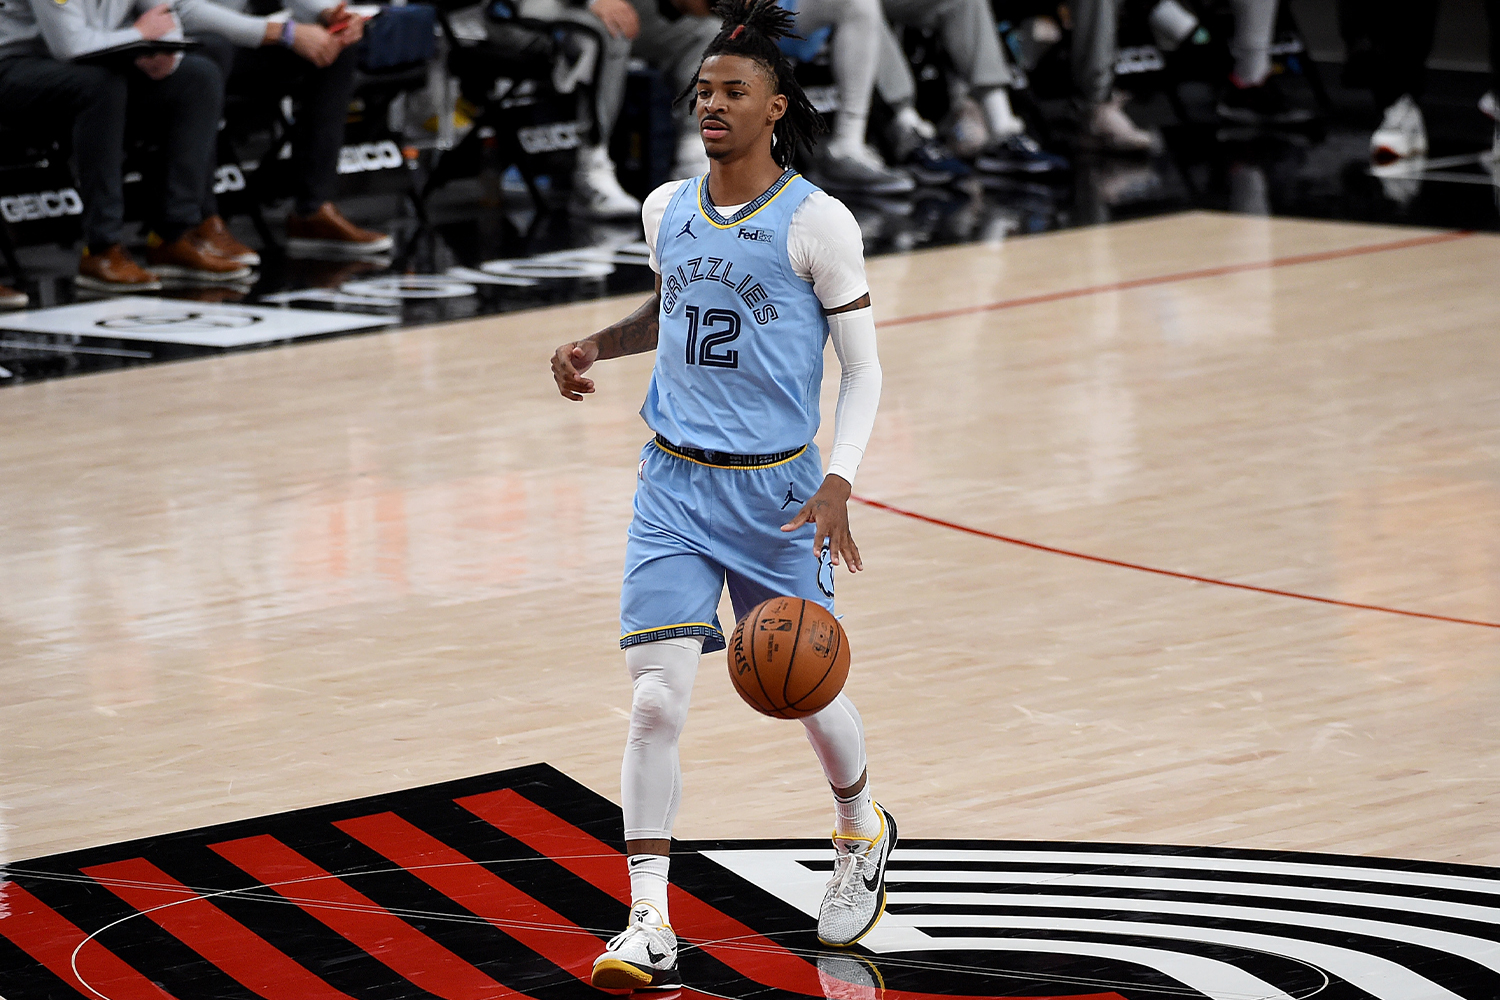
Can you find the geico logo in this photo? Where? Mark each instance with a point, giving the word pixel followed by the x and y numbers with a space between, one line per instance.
pixel 369 156
pixel 42 205
pixel 229 177
pixel 549 138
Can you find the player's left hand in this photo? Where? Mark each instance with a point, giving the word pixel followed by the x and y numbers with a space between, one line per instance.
pixel 829 510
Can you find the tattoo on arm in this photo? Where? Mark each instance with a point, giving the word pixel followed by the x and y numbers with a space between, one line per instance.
pixel 860 303
pixel 635 334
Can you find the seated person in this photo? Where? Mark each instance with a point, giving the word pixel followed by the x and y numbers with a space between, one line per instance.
pixel 309 56
pixel 671 35
pixel 969 35
pixel 848 163
pixel 177 96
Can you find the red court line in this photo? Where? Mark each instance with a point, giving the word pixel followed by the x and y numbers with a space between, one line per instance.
pixel 51 939
pixel 241 953
pixel 749 953
pixel 891 509
pixel 359 919
pixel 1167 279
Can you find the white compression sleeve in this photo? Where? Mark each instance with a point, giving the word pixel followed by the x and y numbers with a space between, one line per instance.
pixel 853 336
pixel 661 674
pixel 837 735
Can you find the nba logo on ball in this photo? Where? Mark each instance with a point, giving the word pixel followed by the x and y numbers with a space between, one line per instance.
pixel 788 658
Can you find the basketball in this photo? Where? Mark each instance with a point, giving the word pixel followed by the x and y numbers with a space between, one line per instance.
pixel 788 658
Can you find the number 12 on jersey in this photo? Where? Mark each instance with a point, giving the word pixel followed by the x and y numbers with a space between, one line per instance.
pixel 719 326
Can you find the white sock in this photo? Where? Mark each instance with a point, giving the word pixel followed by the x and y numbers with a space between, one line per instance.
pixel 856 815
pixel 999 115
pixel 648 881
pixel 849 131
pixel 908 120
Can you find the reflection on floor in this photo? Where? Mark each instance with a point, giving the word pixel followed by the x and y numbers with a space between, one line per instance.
pixel 507 885
pixel 487 251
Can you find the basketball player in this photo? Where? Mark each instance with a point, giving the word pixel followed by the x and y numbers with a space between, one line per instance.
pixel 756 270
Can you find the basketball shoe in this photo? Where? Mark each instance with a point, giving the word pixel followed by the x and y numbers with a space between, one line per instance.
pixel 1402 133
pixel 855 897
pixel 641 957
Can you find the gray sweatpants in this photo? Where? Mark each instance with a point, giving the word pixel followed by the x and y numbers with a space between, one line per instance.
pixel 967 30
pixel 856 47
pixel 674 47
pixel 1095 23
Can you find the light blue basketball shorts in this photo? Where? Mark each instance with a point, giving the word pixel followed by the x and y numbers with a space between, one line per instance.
pixel 699 526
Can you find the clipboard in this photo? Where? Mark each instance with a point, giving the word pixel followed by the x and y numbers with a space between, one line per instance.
pixel 144 47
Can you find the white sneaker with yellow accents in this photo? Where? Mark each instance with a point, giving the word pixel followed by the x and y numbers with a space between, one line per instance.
pixel 855 896
pixel 641 957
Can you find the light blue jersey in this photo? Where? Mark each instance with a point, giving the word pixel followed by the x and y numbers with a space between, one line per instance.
pixel 739 367
pixel 739 357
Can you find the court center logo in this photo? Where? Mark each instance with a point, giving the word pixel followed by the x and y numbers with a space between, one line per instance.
pixel 1162 921
pixel 508 885
pixel 185 321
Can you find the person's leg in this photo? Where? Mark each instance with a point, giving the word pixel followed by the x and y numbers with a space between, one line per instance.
pixel 613 64
pixel 38 88
pixel 668 603
pixel 222 52
pixel 676 49
pixel 1401 36
pixel 762 561
pixel 848 163
pixel 893 79
pixel 1254 24
pixel 322 96
pixel 1094 31
pixel 186 107
pixel 1401 32
pixel 1492 12
pixel 856 48
pixel 596 189
pixel 1105 123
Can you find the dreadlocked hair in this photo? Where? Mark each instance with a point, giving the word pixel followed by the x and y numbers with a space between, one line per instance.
pixel 751 29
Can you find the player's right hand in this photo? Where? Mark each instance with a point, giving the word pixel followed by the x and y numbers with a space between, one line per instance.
pixel 569 362
pixel 156 22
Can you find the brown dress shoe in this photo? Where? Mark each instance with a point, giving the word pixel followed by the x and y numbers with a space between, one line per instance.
pixel 12 299
pixel 188 260
pixel 215 236
pixel 328 234
pixel 114 271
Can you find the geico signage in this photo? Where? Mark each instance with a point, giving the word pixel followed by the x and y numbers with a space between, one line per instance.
pixel 369 156
pixel 228 178
pixel 42 205
pixel 553 138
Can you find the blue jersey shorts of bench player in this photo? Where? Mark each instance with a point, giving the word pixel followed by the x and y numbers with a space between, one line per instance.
pixel 699 526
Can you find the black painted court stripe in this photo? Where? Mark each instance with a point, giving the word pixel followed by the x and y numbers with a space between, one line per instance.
pixel 402 948
pixel 185 914
pixel 1168 279
pixel 1054 550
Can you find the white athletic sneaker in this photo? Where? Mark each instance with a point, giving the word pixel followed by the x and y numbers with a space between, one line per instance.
pixel 1109 127
pixel 1402 132
pixel 855 896
pixel 860 169
pixel 596 192
pixel 641 957
pixel 849 976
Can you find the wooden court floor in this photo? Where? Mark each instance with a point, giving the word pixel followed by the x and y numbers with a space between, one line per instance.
pixel 236 586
